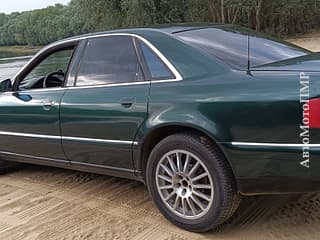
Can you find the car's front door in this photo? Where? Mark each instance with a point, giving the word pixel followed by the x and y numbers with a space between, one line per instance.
pixel 29 115
pixel 101 114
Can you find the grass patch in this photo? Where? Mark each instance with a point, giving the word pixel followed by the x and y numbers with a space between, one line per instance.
pixel 24 50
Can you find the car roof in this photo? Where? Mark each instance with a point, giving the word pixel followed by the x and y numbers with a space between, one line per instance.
pixel 165 28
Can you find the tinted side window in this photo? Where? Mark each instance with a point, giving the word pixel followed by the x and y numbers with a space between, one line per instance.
pixel 109 60
pixel 156 67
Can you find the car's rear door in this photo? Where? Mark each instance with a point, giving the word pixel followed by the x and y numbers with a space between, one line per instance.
pixel 102 112
pixel 29 115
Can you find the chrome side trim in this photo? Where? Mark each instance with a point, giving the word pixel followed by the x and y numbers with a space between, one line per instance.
pixel 81 139
pixel 96 86
pixel 178 76
pixel 29 135
pixel 109 85
pixel 292 145
pixel 55 89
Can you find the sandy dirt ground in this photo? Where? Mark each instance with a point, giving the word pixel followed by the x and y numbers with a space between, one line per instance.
pixel 310 41
pixel 49 203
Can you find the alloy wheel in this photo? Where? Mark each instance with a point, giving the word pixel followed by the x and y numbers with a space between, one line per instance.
pixel 184 184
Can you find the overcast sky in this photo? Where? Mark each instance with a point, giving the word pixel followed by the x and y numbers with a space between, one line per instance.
pixel 8 6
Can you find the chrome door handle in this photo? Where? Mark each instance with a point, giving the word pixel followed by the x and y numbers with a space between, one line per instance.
pixel 127 102
pixel 47 105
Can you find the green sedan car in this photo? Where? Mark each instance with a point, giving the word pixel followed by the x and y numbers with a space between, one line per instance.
pixel 201 114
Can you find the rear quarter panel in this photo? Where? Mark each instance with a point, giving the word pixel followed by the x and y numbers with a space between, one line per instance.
pixel 231 106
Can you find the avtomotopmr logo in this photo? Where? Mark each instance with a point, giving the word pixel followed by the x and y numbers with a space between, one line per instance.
pixel 305 127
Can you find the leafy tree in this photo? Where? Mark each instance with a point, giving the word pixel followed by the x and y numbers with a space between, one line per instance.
pixel 39 27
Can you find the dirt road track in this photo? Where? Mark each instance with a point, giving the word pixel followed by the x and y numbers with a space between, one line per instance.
pixel 49 203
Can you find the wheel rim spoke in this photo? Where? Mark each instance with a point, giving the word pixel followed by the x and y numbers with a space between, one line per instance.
pixel 184 184
pixel 170 195
pixel 175 205
pixel 165 178
pixel 166 187
pixel 167 170
pixel 191 205
pixel 179 165
pixel 199 177
pixel 194 168
pixel 172 165
pixel 197 202
pixel 185 167
pixel 184 208
pixel 202 186
pixel 201 195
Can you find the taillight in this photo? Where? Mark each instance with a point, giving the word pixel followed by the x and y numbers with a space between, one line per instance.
pixel 314 113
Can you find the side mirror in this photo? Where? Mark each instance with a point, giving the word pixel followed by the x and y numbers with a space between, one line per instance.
pixel 6 86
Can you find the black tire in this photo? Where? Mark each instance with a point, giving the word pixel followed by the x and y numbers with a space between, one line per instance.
pixel 225 198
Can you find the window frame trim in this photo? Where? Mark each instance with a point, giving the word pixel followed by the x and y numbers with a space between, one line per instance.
pixel 145 62
pixel 177 75
pixel 76 41
pixel 143 65
pixel 40 57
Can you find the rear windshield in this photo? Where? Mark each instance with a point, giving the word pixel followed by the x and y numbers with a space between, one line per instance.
pixel 231 46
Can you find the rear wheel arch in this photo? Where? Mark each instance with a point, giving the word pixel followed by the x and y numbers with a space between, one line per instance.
pixel 183 167
pixel 161 132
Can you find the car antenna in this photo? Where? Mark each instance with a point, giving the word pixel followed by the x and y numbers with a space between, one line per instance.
pixel 248 65
pixel 248 68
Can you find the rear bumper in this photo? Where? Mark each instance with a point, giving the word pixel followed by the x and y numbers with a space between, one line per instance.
pixel 266 169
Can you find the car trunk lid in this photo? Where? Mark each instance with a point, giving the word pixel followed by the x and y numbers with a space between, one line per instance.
pixel 307 63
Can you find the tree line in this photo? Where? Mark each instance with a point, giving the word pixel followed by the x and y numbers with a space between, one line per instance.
pixel 39 27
